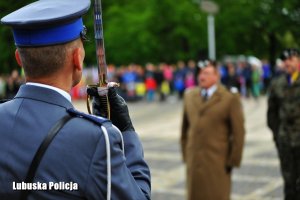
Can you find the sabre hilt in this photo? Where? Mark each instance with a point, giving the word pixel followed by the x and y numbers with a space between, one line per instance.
pixel 99 97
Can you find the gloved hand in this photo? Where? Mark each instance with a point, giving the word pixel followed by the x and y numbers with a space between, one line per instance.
pixel 119 114
pixel 97 108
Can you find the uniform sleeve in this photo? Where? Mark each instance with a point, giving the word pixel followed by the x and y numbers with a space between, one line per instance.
pixel 237 132
pixel 273 112
pixel 184 130
pixel 130 174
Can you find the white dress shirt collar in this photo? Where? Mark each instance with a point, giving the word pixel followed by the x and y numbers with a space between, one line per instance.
pixel 210 91
pixel 60 91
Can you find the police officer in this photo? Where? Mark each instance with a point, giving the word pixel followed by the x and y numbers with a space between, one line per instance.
pixel 89 158
pixel 284 121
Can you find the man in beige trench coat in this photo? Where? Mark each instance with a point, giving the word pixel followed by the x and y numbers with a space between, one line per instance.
pixel 212 136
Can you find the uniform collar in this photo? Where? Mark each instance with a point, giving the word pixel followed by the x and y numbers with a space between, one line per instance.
pixel 210 91
pixel 60 91
pixel 43 94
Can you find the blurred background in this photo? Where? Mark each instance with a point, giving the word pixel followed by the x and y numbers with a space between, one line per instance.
pixel 141 32
pixel 154 49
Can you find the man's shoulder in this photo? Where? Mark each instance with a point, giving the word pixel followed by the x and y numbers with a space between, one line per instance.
pixel 279 80
pixel 192 91
pixel 227 92
pixel 88 117
pixel 230 95
pixel 87 131
pixel 86 124
pixel 4 100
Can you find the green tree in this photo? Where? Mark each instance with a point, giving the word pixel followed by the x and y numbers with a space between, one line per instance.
pixel 7 48
pixel 140 31
pixel 262 28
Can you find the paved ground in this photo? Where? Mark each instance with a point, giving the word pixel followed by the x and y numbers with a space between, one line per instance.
pixel 158 125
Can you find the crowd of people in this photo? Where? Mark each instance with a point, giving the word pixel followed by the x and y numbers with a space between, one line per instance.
pixel 107 155
pixel 157 82
pixel 9 85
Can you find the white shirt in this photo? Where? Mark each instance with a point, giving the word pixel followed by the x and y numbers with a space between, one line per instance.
pixel 210 91
pixel 60 91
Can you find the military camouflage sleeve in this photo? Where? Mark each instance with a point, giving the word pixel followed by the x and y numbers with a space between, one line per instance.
pixel 273 111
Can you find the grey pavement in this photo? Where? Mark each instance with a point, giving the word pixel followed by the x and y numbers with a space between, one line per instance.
pixel 158 125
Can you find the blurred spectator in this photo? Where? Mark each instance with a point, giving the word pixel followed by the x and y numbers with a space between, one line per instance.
pixel 159 78
pixel 129 79
pixel 150 82
pixel 279 68
pixel 2 87
pixel 223 70
pixel 79 91
pixel 233 80
pixel 112 73
pixel 13 84
pixel 140 83
pixel 191 76
pixel 172 69
pixel 179 79
pixel 246 74
pixel 267 75
pixel 255 81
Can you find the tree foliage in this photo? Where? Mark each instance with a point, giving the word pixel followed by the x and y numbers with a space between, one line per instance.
pixel 141 31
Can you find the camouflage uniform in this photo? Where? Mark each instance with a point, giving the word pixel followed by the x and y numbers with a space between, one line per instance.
pixel 284 121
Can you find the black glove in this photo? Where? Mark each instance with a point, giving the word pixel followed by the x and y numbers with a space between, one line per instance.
pixel 97 108
pixel 119 114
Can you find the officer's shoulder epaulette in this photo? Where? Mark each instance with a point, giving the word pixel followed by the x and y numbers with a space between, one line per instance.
pixel 92 118
pixel 191 90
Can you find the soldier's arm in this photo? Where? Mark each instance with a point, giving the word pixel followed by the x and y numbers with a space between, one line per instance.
pixel 237 134
pixel 273 111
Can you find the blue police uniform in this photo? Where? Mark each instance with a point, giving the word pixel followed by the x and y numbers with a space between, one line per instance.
pixel 77 159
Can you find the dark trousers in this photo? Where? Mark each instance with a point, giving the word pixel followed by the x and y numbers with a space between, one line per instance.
pixel 290 168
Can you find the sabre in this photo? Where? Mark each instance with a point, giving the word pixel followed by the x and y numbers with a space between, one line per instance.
pixel 102 86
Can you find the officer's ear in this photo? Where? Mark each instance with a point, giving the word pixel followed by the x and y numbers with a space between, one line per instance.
pixel 78 56
pixel 18 58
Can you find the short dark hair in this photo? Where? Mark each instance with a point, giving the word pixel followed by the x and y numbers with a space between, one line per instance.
pixel 42 61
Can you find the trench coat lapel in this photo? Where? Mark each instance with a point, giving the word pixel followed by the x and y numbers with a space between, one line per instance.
pixel 201 105
pixel 197 100
pixel 215 98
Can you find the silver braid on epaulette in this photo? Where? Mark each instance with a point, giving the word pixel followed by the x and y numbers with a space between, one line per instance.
pixel 108 161
pixel 122 140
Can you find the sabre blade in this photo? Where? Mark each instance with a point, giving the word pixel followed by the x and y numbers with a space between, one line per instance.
pixel 100 50
pixel 101 86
